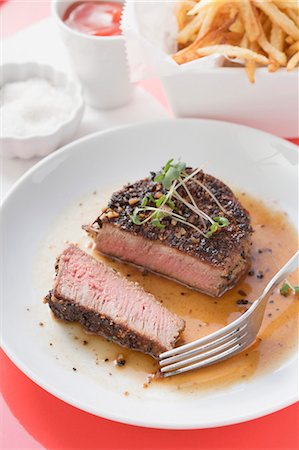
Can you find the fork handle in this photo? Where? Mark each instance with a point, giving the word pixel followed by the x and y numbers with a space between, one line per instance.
pixel 286 270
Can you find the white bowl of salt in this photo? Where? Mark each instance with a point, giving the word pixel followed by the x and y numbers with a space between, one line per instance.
pixel 40 109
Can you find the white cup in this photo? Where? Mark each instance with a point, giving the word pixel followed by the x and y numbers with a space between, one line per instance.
pixel 99 62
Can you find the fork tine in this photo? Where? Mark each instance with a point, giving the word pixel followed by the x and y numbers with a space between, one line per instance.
pixel 212 360
pixel 203 356
pixel 211 337
pixel 202 348
pixel 206 351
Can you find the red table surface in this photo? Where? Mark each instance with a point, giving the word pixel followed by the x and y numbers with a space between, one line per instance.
pixel 53 424
pixel 57 425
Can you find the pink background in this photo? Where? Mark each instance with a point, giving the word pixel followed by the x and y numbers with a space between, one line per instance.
pixel 33 419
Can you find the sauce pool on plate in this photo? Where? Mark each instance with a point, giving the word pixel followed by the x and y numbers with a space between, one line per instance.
pixel 94 18
pixel 274 241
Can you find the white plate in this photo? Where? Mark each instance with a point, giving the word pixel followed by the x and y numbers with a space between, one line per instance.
pixel 254 161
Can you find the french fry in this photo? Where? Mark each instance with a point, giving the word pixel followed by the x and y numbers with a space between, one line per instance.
pixel 267 27
pixel 191 28
pixel 259 32
pixel 250 21
pixel 232 51
pixel 244 41
pixel 293 62
pixel 203 4
pixel 237 26
pixel 231 9
pixel 214 37
pixel 208 20
pixel 292 49
pixel 226 12
pixel 294 15
pixel 181 13
pixel 287 4
pixel 277 37
pixel 278 17
pixel 275 54
pixel 268 48
pixel 250 65
pixel 290 40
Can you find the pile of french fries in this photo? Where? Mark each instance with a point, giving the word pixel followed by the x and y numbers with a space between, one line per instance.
pixel 257 32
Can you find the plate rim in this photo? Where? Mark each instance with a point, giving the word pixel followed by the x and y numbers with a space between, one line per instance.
pixel 244 417
pixel 150 123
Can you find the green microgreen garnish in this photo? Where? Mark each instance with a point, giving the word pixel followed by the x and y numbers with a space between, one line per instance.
pixel 213 228
pixel 144 201
pixel 287 288
pixel 160 201
pixel 171 204
pixel 156 223
pixel 218 222
pixel 221 221
pixel 134 217
pixel 151 198
pixel 172 177
pixel 170 173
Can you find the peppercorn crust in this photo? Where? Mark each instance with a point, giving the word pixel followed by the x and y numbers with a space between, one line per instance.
pixel 215 250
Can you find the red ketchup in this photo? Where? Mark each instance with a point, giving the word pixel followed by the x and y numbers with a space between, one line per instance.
pixel 94 18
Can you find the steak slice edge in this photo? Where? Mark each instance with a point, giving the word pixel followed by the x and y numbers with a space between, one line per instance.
pixel 106 303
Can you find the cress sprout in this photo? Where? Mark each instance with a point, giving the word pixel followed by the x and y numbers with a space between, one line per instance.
pixel 172 177
pixel 287 288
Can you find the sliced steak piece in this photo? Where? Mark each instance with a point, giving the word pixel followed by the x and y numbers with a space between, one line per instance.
pixel 95 295
pixel 211 265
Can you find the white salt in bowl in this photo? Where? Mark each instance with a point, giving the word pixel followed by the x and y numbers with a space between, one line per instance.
pixel 40 144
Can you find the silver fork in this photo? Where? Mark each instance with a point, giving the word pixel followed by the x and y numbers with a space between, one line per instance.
pixel 227 341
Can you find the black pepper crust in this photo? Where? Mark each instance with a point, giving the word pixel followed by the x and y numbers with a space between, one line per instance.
pixel 97 324
pixel 214 250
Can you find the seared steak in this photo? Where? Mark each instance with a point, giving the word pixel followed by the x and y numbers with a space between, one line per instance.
pixel 209 264
pixel 93 294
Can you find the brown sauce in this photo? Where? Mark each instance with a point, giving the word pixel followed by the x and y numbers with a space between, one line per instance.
pixel 274 242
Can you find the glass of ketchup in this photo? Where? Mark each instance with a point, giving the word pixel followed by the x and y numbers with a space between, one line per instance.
pixel 92 34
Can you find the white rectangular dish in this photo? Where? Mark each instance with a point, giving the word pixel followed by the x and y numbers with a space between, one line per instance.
pixel 203 88
pixel 224 93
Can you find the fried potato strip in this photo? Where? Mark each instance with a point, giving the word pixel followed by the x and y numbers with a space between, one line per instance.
pixel 257 32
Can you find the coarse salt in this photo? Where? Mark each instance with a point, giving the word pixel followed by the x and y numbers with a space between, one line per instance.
pixel 35 106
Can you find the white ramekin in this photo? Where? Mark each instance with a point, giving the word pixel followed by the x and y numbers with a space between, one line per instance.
pixel 99 61
pixel 40 145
